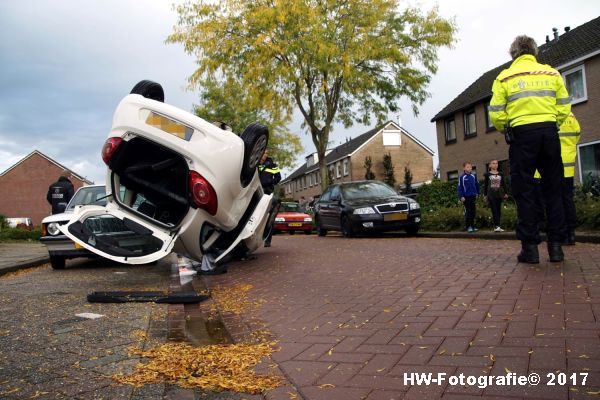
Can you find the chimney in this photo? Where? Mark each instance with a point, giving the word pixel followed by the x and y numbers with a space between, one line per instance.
pixel 547 39
pixel 400 120
pixel 555 32
pixel 567 29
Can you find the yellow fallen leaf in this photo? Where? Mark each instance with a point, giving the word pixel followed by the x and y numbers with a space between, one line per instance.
pixel 489 315
pixel 584 356
pixel 442 352
pixel 381 370
pixel 326 385
pixel 492 357
pixel 386 310
pixel 330 351
pixel 506 370
pixel 596 393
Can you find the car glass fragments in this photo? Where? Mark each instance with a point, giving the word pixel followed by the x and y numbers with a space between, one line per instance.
pixel 361 190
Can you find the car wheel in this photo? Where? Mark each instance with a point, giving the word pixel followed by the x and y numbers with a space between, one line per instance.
pixel 150 90
pixel 256 138
pixel 346 227
pixel 320 230
pixel 57 262
pixel 307 232
pixel 412 230
pixel 292 232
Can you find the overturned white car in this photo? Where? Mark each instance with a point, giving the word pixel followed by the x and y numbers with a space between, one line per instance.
pixel 176 183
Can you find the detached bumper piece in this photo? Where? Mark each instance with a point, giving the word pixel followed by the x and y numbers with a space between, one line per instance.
pixel 156 297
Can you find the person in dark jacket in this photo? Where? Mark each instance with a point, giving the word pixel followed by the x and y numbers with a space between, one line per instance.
pixel 270 175
pixel 59 193
pixel 494 190
pixel 468 190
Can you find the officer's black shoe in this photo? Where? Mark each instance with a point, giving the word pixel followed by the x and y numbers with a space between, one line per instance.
pixel 570 241
pixel 555 252
pixel 529 254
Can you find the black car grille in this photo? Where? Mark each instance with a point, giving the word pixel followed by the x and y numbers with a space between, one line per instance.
pixel 392 207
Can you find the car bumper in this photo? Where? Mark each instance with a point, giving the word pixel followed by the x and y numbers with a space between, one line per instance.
pixel 377 223
pixel 290 226
pixel 61 246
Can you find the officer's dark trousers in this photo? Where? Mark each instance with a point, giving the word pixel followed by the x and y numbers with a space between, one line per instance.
pixel 569 204
pixel 537 146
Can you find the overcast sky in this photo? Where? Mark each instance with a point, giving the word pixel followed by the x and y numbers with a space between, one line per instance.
pixel 65 65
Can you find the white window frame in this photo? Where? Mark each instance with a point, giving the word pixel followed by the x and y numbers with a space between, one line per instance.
pixel 338 169
pixel 310 182
pixel 304 181
pixel 346 169
pixel 571 71
pixel 466 121
pixel 579 146
pixel 332 171
pixel 392 137
pixel 446 124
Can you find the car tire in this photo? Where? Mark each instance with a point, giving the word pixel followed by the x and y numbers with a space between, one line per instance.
pixel 292 232
pixel 346 227
pixel 150 90
pixel 320 230
pixel 307 232
pixel 57 262
pixel 412 230
pixel 256 138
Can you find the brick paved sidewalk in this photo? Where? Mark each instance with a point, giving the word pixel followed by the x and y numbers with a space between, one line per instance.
pixel 354 315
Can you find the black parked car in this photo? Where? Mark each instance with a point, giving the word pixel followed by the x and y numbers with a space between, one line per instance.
pixel 365 206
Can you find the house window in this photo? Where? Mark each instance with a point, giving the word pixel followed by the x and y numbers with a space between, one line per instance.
pixel 304 181
pixel 338 170
pixel 575 83
pixel 589 160
pixel 310 183
pixel 346 171
pixel 452 175
pixel 488 121
pixel 450 131
pixel 332 171
pixel 391 138
pixel 470 125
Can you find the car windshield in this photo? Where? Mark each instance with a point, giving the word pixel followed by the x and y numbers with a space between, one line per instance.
pixel 290 207
pixel 88 195
pixel 361 190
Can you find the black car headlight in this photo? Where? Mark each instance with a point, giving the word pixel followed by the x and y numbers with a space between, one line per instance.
pixel 52 229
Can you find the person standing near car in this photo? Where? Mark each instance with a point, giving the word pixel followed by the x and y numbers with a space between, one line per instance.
pixel 59 193
pixel 269 175
pixel 529 101
pixel 494 190
pixel 468 190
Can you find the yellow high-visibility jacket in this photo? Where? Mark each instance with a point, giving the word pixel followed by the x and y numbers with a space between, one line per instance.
pixel 569 134
pixel 528 92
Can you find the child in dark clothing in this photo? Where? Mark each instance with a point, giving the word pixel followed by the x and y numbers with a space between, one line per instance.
pixel 494 190
pixel 468 190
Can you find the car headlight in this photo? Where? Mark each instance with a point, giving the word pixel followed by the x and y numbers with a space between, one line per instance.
pixel 52 229
pixel 364 210
pixel 279 219
pixel 414 205
pixel 307 219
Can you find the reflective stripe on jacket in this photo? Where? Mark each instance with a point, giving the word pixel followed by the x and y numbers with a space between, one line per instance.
pixel 569 134
pixel 528 92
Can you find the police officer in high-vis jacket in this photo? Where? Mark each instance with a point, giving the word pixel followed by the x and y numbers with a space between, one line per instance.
pixel 59 193
pixel 569 134
pixel 529 102
pixel 269 175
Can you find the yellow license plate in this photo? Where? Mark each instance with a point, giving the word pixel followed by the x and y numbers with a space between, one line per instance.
pixel 395 217
pixel 295 224
pixel 78 246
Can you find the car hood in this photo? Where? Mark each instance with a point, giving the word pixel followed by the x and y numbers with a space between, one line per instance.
pixel 58 217
pixel 291 214
pixel 376 200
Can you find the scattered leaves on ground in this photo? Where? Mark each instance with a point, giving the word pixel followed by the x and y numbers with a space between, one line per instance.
pixel 215 367
pixel 234 299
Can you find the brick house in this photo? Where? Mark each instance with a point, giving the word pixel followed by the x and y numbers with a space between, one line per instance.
pixel 23 186
pixel 346 161
pixel 464 132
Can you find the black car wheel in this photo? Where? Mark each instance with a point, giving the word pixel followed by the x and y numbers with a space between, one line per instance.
pixel 412 230
pixel 307 232
pixel 256 138
pixel 57 262
pixel 150 90
pixel 320 230
pixel 346 227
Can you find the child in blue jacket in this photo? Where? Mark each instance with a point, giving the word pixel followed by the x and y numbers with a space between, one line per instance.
pixel 468 190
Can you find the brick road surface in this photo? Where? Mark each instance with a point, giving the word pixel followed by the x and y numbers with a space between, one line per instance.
pixel 352 316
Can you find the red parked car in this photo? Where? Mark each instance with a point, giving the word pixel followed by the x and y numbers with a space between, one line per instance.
pixel 292 218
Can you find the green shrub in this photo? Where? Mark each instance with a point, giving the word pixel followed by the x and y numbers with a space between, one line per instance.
pixel 453 218
pixel 588 213
pixel 20 234
pixel 438 194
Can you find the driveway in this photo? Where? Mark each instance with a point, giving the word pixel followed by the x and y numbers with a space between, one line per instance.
pixel 353 317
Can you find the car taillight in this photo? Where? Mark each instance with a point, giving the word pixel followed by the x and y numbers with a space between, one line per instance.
pixel 109 148
pixel 203 194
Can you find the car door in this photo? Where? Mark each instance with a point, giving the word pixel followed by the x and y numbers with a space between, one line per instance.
pixel 118 236
pixel 335 207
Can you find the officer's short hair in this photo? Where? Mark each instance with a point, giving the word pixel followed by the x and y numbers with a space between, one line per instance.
pixel 523 45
